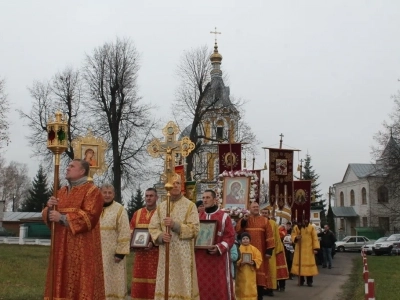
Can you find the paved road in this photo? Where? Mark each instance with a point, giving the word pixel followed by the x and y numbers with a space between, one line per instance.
pixel 326 284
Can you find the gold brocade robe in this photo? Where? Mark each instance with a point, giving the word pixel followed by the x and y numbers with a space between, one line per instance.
pixel 115 238
pixel 262 238
pixel 308 243
pixel 182 263
pixel 77 255
pixel 277 261
pixel 246 282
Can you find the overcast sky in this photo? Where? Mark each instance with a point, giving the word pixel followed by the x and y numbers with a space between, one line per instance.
pixel 320 72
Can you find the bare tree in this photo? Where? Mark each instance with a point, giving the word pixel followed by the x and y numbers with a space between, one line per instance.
pixel 117 113
pixel 386 178
pixel 64 93
pixel 14 184
pixel 4 108
pixel 200 96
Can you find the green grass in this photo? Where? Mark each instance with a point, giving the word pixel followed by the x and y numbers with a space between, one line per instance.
pixel 385 270
pixel 23 271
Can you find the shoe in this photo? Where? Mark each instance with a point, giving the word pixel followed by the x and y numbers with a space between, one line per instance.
pixel 330 267
pixel 309 284
pixel 282 289
pixel 269 293
pixel 323 266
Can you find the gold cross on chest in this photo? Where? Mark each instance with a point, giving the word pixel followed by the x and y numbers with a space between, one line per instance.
pixel 215 32
pixel 170 148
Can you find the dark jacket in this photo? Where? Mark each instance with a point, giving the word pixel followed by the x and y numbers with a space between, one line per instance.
pixel 328 239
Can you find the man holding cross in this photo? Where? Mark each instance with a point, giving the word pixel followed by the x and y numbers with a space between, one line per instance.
pixel 184 227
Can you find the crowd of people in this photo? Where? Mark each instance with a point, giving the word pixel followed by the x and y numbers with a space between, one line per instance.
pixel 249 258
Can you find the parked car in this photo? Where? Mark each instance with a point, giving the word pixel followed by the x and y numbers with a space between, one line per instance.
pixel 5 232
pixel 368 247
pixel 386 246
pixel 352 243
pixel 396 248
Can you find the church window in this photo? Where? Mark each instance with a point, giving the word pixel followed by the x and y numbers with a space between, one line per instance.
pixel 363 196
pixel 341 199
pixel 220 130
pixel 383 194
pixel 365 222
pixel 352 198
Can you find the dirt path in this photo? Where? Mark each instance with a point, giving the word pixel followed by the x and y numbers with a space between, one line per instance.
pixel 326 285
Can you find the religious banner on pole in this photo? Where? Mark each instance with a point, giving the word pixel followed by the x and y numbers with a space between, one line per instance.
pixel 180 171
pixel 301 207
pixel 280 177
pixel 230 157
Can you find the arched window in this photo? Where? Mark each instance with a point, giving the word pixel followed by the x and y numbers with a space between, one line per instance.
pixel 352 198
pixel 383 194
pixel 220 130
pixel 341 199
pixel 363 196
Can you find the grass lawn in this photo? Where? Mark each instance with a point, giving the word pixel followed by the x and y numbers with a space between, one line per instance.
pixel 23 271
pixel 385 270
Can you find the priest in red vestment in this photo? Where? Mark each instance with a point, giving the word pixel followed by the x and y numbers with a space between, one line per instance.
pixel 77 256
pixel 262 238
pixel 145 259
pixel 213 265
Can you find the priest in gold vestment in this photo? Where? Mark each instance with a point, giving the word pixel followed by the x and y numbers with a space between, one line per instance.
pixel 305 239
pixel 77 244
pixel 184 224
pixel 115 238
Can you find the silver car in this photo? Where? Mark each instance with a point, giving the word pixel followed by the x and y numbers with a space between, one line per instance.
pixel 352 243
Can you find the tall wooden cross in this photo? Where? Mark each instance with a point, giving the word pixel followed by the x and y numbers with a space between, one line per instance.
pixel 170 148
pixel 215 32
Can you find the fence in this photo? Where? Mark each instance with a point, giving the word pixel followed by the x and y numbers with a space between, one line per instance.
pixel 368 283
pixel 24 241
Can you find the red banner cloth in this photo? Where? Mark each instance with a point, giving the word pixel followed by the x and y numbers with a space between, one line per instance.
pixel 181 172
pixel 301 208
pixel 230 157
pixel 280 177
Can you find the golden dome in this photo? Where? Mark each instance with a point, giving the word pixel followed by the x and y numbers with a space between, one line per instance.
pixel 216 57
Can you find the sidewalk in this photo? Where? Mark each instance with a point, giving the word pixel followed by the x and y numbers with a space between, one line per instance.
pixel 326 284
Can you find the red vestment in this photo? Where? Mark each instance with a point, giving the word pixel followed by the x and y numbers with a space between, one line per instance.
pixel 262 238
pixel 77 256
pixel 214 271
pixel 146 261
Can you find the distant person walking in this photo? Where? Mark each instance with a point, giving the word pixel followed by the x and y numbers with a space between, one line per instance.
pixel 328 239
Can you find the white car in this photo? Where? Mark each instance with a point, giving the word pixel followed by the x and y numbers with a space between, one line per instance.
pixel 352 243
pixel 368 247
pixel 386 246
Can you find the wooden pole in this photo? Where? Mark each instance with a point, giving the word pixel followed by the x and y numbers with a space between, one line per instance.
pixel 168 230
pixel 52 246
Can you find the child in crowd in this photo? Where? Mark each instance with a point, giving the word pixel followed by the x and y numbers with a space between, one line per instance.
pixel 250 260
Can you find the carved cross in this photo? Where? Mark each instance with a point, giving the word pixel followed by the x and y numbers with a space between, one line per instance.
pixel 170 148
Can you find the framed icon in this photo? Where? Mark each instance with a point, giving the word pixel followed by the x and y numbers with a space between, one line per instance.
pixel 140 238
pixel 207 233
pixel 247 257
pixel 236 192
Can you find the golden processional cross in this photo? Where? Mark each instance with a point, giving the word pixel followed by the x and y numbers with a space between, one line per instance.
pixel 170 148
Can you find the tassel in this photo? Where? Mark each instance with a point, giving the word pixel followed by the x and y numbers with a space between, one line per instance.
pixel 265 166
pixel 244 163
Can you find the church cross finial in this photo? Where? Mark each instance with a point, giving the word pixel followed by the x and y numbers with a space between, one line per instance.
pixel 215 32
pixel 280 142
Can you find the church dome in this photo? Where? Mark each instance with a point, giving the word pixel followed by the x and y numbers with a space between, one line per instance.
pixel 216 57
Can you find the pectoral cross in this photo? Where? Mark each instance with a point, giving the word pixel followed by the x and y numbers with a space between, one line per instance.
pixel 170 148
pixel 215 32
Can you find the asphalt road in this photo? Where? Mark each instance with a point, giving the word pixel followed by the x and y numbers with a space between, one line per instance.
pixel 326 284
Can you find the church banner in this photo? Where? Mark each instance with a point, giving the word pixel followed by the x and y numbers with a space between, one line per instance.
pixel 280 177
pixel 301 208
pixel 230 157
pixel 181 172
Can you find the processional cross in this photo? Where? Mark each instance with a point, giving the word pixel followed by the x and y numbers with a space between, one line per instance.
pixel 170 147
